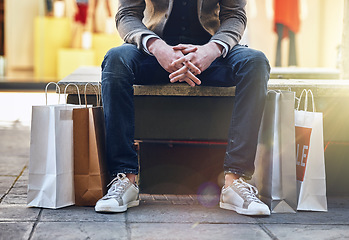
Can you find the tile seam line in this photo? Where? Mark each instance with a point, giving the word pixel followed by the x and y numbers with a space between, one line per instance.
pixel 17 221
pixel 241 223
pixel 141 222
pixel 193 222
pixel 267 231
pixel 128 227
pixel 13 184
pixel 35 224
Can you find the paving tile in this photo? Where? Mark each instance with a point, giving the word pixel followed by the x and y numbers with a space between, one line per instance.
pixel 12 165
pixel 15 199
pixel 20 185
pixel 171 197
pixel 79 214
pixel 18 193
pixel 185 197
pixel 19 188
pixel 5 184
pixel 332 217
pixel 338 212
pixel 80 230
pixel 338 202
pixel 19 213
pixel 156 202
pixel 159 197
pixel 178 202
pixel 15 230
pixel 25 175
pixel 184 214
pixel 23 179
pixel 304 232
pixel 146 197
pixel 194 231
pixel 14 140
pixel 208 200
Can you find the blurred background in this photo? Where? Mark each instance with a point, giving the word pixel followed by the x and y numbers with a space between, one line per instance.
pixel 45 40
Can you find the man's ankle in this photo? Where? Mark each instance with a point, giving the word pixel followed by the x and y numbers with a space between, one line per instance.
pixel 229 179
pixel 131 177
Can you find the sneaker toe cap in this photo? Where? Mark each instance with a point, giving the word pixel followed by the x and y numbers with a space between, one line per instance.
pixel 259 208
pixel 107 205
pixel 107 202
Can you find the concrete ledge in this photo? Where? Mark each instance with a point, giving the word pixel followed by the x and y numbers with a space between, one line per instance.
pixel 303 73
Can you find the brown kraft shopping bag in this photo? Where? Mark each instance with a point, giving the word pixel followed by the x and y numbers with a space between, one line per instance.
pixel 90 175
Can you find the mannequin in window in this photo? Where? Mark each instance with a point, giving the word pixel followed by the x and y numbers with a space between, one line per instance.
pixel 90 16
pixel 79 22
pixel 287 15
pixel 48 7
pixel 101 13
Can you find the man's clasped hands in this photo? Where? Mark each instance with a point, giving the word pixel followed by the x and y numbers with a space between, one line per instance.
pixel 184 61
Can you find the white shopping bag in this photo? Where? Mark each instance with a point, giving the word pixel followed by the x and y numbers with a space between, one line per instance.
pixel 275 170
pixel 311 178
pixel 51 156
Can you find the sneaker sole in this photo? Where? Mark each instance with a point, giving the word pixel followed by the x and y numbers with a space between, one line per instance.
pixel 243 211
pixel 117 209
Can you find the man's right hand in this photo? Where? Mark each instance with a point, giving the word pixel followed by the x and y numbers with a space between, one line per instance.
pixel 165 55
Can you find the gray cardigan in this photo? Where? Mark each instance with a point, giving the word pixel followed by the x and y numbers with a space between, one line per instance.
pixel 225 20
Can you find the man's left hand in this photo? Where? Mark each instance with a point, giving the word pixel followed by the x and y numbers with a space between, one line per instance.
pixel 201 58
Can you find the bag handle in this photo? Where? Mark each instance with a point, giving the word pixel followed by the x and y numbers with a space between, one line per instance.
pixel 97 94
pixel 65 92
pixel 57 87
pixel 306 92
pixel 274 91
pixel 99 86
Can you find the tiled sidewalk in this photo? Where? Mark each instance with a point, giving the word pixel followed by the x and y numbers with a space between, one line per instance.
pixel 157 217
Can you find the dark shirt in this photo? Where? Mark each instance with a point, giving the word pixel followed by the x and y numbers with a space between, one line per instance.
pixel 183 25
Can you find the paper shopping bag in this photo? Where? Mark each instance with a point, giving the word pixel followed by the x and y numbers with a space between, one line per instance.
pixel 90 175
pixel 50 182
pixel 275 163
pixel 311 177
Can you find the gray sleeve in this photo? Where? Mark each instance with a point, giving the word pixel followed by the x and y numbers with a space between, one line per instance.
pixel 233 22
pixel 129 21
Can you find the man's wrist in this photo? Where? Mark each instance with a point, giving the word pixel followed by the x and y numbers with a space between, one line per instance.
pixel 152 44
pixel 225 47
pixel 145 41
pixel 216 48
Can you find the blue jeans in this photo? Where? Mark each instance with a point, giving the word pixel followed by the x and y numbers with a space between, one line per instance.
pixel 124 66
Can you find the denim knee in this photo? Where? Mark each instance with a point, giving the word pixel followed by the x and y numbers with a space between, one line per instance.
pixel 253 63
pixel 121 56
pixel 261 64
pixel 257 56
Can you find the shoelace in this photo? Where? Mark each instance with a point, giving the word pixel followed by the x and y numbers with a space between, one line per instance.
pixel 118 186
pixel 247 190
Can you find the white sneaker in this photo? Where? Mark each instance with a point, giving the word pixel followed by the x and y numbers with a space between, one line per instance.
pixel 121 195
pixel 241 197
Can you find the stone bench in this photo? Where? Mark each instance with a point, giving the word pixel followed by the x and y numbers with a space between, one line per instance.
pixel 161 109
pixel 199 105
pixel 280 78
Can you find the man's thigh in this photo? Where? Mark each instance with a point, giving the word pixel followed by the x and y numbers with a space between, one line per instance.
pixel 224 72
pixel 150 72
